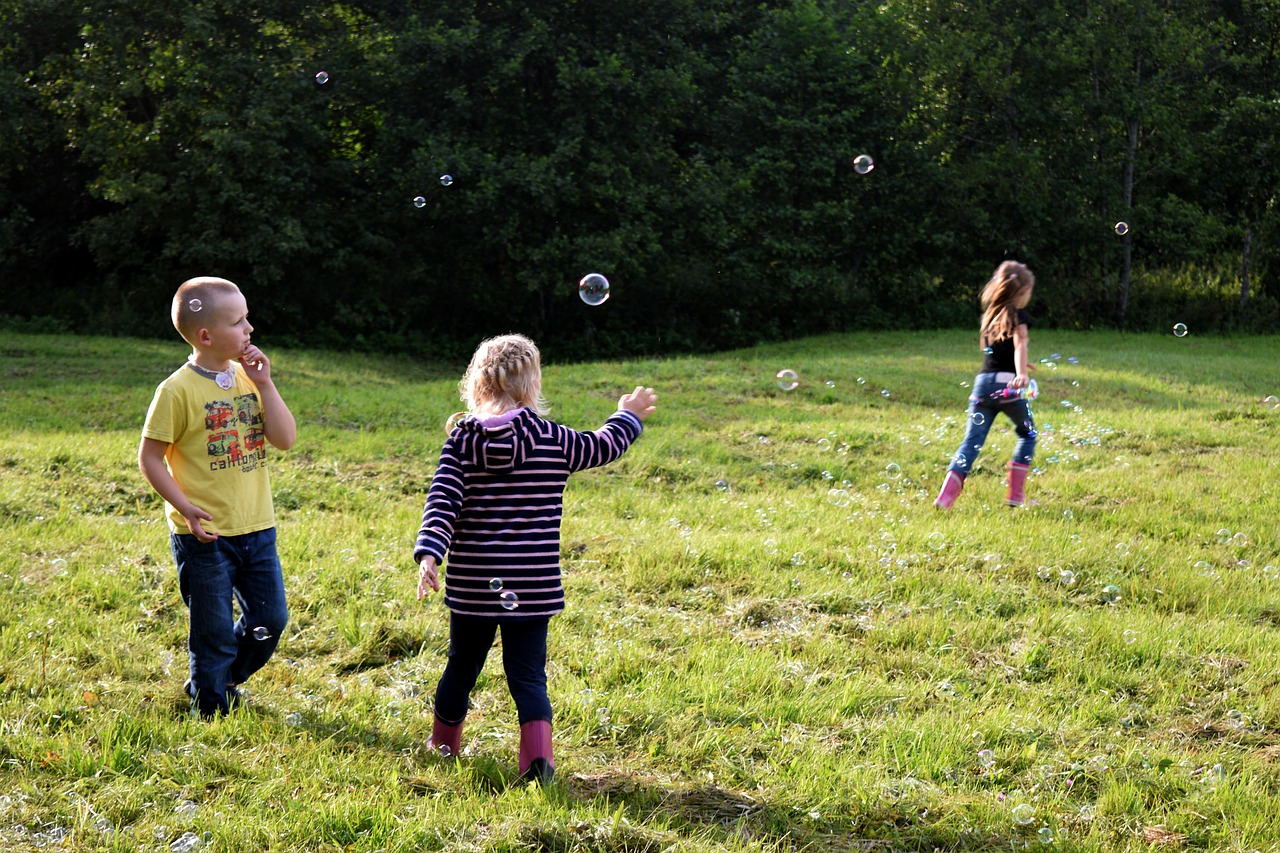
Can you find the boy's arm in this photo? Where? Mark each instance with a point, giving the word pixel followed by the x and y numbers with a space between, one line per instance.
pixel 151 463
pixel 277 421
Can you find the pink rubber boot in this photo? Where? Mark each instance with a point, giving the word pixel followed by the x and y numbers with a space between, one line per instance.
pixel 952 486
pixel 446 739
pixel 536 761
pixel 1017 483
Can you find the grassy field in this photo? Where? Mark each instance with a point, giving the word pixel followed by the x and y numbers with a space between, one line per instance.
pixel 749 660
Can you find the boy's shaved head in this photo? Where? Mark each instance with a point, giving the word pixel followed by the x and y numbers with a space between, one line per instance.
pixel 196 300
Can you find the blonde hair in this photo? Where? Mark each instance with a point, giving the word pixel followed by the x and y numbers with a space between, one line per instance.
pixel 505 373
pixel 1000 301
pixel 196 301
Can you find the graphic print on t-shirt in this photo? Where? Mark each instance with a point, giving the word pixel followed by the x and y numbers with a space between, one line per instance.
pixel 236 438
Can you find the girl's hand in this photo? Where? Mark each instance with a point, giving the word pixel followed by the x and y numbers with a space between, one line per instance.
pixel 1019 382
pixel 427 576
pixel 640 402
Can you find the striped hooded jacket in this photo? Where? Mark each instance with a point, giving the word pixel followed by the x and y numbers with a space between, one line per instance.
pixel 495 504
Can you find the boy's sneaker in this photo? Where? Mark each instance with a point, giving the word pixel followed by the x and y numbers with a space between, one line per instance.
pixel 209 710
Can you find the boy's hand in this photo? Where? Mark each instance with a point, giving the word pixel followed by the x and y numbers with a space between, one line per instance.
pixel 255 364
pixel 427 576
pixel 194 516
pixel 640 402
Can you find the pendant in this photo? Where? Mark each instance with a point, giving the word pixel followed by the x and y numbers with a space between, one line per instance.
pixel 226 378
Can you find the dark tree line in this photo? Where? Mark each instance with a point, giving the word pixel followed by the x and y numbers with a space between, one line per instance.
pixel 697 152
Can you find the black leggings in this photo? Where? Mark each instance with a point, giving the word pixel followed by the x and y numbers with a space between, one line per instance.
pixel 524 659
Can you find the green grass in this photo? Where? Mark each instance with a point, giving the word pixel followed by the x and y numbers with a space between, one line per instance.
pixel 746 668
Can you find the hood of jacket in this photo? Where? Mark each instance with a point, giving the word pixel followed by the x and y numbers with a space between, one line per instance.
pixel 496 445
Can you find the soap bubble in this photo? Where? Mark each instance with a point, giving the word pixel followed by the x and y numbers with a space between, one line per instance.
pixel 195 304
pixel 862 380
pixel 788 380
pixel 986 757
pixel 446 180
pixel 838 497
pixel 937 541
pixel 1023 813
pixel 797 559
pixel 445 750
pixel 188 843
pixel 1271 400
pixel 1068 514
pixel 261 633
pixel 1224 536
pixel 884 392
pixel 1121 549
pixel 322 77
pixel 509 600
pixel 495 585
pixel 293 719
pixel 1130 637
pixel 1031 391
pixel 831 383
pixel 771 546
pixel 722 485
pixel 1180 330
pixel 1067 577
pixel 1046 835
pixel 1111 594
pixel 419 201
pixel 1235 718
pixel 593 288
pixel 1122 228
pixel 978 418
pixel 893 470
pixel 1240 540
pixel 824 444
pixel 1071 359
pixel 1044 573
pixel 862 164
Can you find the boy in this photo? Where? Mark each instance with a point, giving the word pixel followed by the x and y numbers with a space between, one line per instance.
pixel 203 451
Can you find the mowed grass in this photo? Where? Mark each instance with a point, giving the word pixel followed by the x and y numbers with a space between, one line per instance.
pixel 747 662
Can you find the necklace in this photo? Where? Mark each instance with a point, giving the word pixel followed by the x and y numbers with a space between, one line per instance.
pixel 224 378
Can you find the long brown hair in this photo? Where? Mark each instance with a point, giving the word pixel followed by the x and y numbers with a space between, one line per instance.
pixel 1000 301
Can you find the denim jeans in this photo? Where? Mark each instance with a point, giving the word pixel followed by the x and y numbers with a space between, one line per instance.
pixel 984 404
pixel 225 650
pixel 524 659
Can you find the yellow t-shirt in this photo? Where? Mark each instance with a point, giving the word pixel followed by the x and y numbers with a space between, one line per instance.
pixel 217 449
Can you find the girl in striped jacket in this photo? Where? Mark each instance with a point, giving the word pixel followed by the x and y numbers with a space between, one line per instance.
pixel 494 508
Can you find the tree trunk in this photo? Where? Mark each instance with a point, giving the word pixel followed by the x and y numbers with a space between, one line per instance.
pixel 1244 276
pixel 1131 155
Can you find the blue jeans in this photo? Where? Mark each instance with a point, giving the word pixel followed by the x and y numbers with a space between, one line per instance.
pixel 524 659
pixel 983 408
pixel 225 650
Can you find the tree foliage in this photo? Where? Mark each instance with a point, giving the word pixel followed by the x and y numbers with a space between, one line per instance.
pixel 697 153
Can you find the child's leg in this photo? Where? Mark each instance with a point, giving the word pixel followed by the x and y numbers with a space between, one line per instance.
pixel 1023 451
pixel 204 581
pixel 524 658
pixel 980 414
pixel 1024 425
pixel 469 642
pixel 259 588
